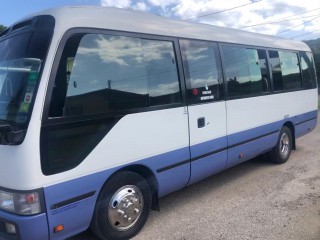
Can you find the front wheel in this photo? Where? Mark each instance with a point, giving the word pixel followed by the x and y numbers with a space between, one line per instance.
pixel 123 207
pixel 281 152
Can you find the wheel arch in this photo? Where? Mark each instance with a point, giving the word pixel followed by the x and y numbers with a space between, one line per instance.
pixel 290 125
pixel 147 174
pixel 115 182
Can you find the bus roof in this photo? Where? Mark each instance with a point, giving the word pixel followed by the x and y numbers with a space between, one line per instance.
pixel 142 22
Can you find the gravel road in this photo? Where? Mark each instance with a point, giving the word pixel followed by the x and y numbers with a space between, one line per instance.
pixel 254 200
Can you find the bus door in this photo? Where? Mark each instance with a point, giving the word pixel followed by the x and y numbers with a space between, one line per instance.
pixel 206 108
pixel 208 143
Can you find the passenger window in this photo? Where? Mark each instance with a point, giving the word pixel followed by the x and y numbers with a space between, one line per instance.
pixel 276 70
pixel 291 77
pixel 308 73
pixel 246 71
pixel 203 71
pixel 285 70
pixel 263 64
pixel 107 73
pixel 161 71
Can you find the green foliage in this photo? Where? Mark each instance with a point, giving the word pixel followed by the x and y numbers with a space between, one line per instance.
pixel 2 28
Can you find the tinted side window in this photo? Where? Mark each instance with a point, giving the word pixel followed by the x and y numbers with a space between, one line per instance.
pixel 203 71
pixel 290 70
pixel 285 70
pixel 276 70
pixel 105 73
pixel 308 72
pixel 246 71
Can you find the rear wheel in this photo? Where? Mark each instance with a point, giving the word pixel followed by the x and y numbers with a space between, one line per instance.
pixel 123 207
pixel 281 152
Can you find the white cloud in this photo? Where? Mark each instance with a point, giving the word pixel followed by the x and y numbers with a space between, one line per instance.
pixel 255 13
pixel 163 89
pixel 140 6
pixel 250 14
pixel 163 3
pixel 120 50
pixel 136 5
pixel 116 3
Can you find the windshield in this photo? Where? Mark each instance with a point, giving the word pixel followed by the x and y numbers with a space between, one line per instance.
pixel 18 80
pixel 23 49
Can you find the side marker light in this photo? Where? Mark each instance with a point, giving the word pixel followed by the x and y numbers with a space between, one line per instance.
pixel 58 228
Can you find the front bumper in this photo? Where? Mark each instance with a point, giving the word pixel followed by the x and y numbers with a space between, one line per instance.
pixel 27 227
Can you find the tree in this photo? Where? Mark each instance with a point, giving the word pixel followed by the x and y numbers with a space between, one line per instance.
pixel 2 28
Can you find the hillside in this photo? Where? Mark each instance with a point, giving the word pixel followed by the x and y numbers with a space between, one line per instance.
pixel 2 28
pixel 314 45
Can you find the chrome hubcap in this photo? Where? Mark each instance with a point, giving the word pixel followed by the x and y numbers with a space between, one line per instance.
pixel 284 145
pixel 125 207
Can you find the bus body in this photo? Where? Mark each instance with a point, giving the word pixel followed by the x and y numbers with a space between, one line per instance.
pixel 104 110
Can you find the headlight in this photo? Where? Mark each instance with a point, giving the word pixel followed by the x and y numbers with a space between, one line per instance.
pixel 20 203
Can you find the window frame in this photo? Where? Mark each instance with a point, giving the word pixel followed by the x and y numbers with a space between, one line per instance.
pixel 299 66
pixel 301 70
pixel 183 81
pixel 47 120
pixel 187 76
pixel 227 96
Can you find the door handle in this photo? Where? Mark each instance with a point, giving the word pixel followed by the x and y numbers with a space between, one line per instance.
pixel 201 122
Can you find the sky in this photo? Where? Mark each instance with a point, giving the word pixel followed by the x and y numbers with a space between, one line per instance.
pixel 294 19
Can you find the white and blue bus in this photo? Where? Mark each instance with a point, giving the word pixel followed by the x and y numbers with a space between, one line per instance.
pixel 103 111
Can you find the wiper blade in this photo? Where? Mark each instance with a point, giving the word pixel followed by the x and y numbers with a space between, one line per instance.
pixel 11 134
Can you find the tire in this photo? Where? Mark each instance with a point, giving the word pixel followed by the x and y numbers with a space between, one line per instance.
pixel 122 207
pixel 281 152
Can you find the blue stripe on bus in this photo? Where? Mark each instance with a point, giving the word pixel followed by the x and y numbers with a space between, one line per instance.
pixel 305 117
pixel 214 146
pixel 305 123
pixel 245 136
pixel 75 216
pixel 305 127
pixel 248 143
pixel 268 129
pixel 248 150
pixel 242 146
pixel 171 178
pixel 82 210
pixel 208 166
pixel 181 172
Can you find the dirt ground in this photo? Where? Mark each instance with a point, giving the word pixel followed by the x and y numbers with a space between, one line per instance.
pixel 254 200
